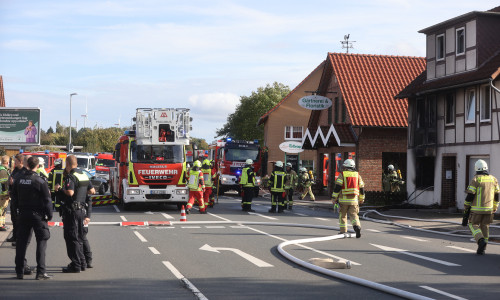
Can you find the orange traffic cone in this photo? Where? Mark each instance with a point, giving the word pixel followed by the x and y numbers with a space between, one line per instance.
pixel 183 214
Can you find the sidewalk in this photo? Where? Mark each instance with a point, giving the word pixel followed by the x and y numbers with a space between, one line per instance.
pixel 5 234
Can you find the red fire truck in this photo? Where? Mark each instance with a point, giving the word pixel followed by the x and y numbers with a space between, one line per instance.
pixel 151 158
pixel 103 162
pixel 229 158
pixel 48 157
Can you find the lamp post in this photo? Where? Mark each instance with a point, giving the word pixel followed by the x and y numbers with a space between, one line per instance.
pixel 70 149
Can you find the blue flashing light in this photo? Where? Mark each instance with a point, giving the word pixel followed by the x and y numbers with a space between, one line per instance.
pixel 229 139
pixel 47 151
pixel 256 141
pixel 127 132
pixel 21 151
pixel 238 172
pixel 206 151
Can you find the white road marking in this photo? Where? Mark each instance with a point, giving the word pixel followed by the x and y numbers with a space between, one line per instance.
pixel 413 238
pixel 148 213
pixel 190 227
pixel 442 293
pixel 153 249
pixel 215 226
pixel 373 230
pixel 302 215
pixel 123 218
pixel 239 226
pixel 140 237
pixel 322 219
pixel 261 215
pixel 116 208
pixel 165 227
pixel 254 260
pixel 463 249
pixel 390 249
pixel 167 216
pixel 305 247
pixel 186 281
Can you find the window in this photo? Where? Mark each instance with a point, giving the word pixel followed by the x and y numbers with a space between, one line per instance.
pixel 450 109
pixel 440 47
pixel 424 172
pixel 293 132
pixel 460 41
pixel 470 109
pixel 485 106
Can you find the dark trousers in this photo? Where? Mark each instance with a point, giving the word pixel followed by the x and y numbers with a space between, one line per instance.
pixel 73 235
pixel 27 221
pixel 87 252
pixel 246 202
pixel 277 199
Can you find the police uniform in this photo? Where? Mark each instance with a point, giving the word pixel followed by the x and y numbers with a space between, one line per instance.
pixel 74 212
pixel 247 183
pixel 31 197
pixel 277 184
pixel 16 173
pixel 349 191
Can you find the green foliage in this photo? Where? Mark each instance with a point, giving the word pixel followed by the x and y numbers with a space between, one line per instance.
pixel 201 143
pixel 242 124
pixel 50 130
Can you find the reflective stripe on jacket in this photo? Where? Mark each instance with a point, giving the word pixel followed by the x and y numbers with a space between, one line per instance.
pixel 351 183
pixel 196 182
pixel 277 181
pixel 247 177
pixel 484 187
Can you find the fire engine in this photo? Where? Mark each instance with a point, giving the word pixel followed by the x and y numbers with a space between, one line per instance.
pixel 103 162
pixel 151 158
pixel 229 158
pixel 48 157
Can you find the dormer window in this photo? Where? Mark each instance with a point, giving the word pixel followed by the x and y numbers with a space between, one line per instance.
pixel 440 47
pixel 460 41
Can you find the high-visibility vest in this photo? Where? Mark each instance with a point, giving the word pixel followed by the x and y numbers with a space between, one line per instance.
pixel 291 179
pixel 247 177
pixel 351 182
pixel 56 177
pixel 194 183
pixel 207 177
pixel 278 181
pixel 484 187
pixel 4 190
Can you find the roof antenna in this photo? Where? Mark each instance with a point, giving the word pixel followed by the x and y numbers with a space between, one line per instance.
pixel 346 44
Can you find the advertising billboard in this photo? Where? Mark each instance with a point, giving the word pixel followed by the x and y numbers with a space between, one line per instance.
pixel 19 126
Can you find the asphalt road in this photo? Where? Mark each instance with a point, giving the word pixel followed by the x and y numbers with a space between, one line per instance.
pixel 227 260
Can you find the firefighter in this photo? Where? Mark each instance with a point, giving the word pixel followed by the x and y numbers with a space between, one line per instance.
pixel 290 185
pixel 196 186
pixel 350 193
pixel 31 197
pixel 4 190
pixel 306 182
pixel 208 177
pixel 41 169
pixel 55 177
pixel 277 185
pixel 482 199
pixel 247 185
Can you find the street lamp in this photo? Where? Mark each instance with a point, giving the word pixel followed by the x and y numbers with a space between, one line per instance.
pixel 70 149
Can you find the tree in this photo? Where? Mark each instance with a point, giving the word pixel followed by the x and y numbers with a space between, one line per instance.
pixel 50 130
pixel 242 124
pixel 201 143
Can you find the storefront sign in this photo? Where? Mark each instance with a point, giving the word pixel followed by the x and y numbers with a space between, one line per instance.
pixel 315 102
pixel 291 147
pixel 19 126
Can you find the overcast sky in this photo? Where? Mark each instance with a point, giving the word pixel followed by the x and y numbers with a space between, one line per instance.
pixel 122 54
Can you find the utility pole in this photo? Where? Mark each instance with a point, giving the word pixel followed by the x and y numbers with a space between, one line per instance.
pixel 346 44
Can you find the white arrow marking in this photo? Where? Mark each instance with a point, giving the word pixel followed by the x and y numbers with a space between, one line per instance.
pixel 390 249
pixel 250 258
pixel 270 218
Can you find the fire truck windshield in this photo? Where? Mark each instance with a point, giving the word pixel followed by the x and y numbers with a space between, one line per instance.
pixel 158 154
pixel 105 162
pixel 235 154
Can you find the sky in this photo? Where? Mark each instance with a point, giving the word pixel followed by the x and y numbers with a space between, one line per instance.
pixel 120 55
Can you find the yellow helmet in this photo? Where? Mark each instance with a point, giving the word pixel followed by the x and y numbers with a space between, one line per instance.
pixel 197 163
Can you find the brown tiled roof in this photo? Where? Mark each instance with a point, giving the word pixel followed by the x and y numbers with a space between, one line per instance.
pixel 344 132
pixel 369 83
pixel 264 117
pixel 2 95
pixel 489 70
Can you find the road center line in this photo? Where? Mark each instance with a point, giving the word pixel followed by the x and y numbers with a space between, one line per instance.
pixel 373 230
pixel 153 249
pixel 261 215
pixel 463 249
pixel 322 219
pixel 140 237
pixel 442 293
pixel 215 226
pixel 186 281
pixel 402 251
pixel 302 215
pixel 413 238
pixel 123 218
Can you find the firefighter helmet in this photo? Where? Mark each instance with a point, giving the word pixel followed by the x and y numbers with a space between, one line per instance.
pixel 58 161
pixel 349 163
pixel 303 169
pixel 41 161
pixel 390 167
pixel 249 162
pixel 279 164
pixel 197 163
pixel 206 164
pixel 289 165
pixel 480 165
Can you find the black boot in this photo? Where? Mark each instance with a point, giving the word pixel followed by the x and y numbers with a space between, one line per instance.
pixel 357 229
pixel 481 246
pixel 273 209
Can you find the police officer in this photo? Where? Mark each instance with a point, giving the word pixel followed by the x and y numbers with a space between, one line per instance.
pixel 290 185
pixel 56 176
pixel 482 199
pixel 350 193
pixel 74 213
pixel 247 185
pixel 277 184
pixel 16 172
pixel 31 197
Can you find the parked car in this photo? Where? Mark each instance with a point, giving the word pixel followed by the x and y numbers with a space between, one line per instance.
pixel 100 184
